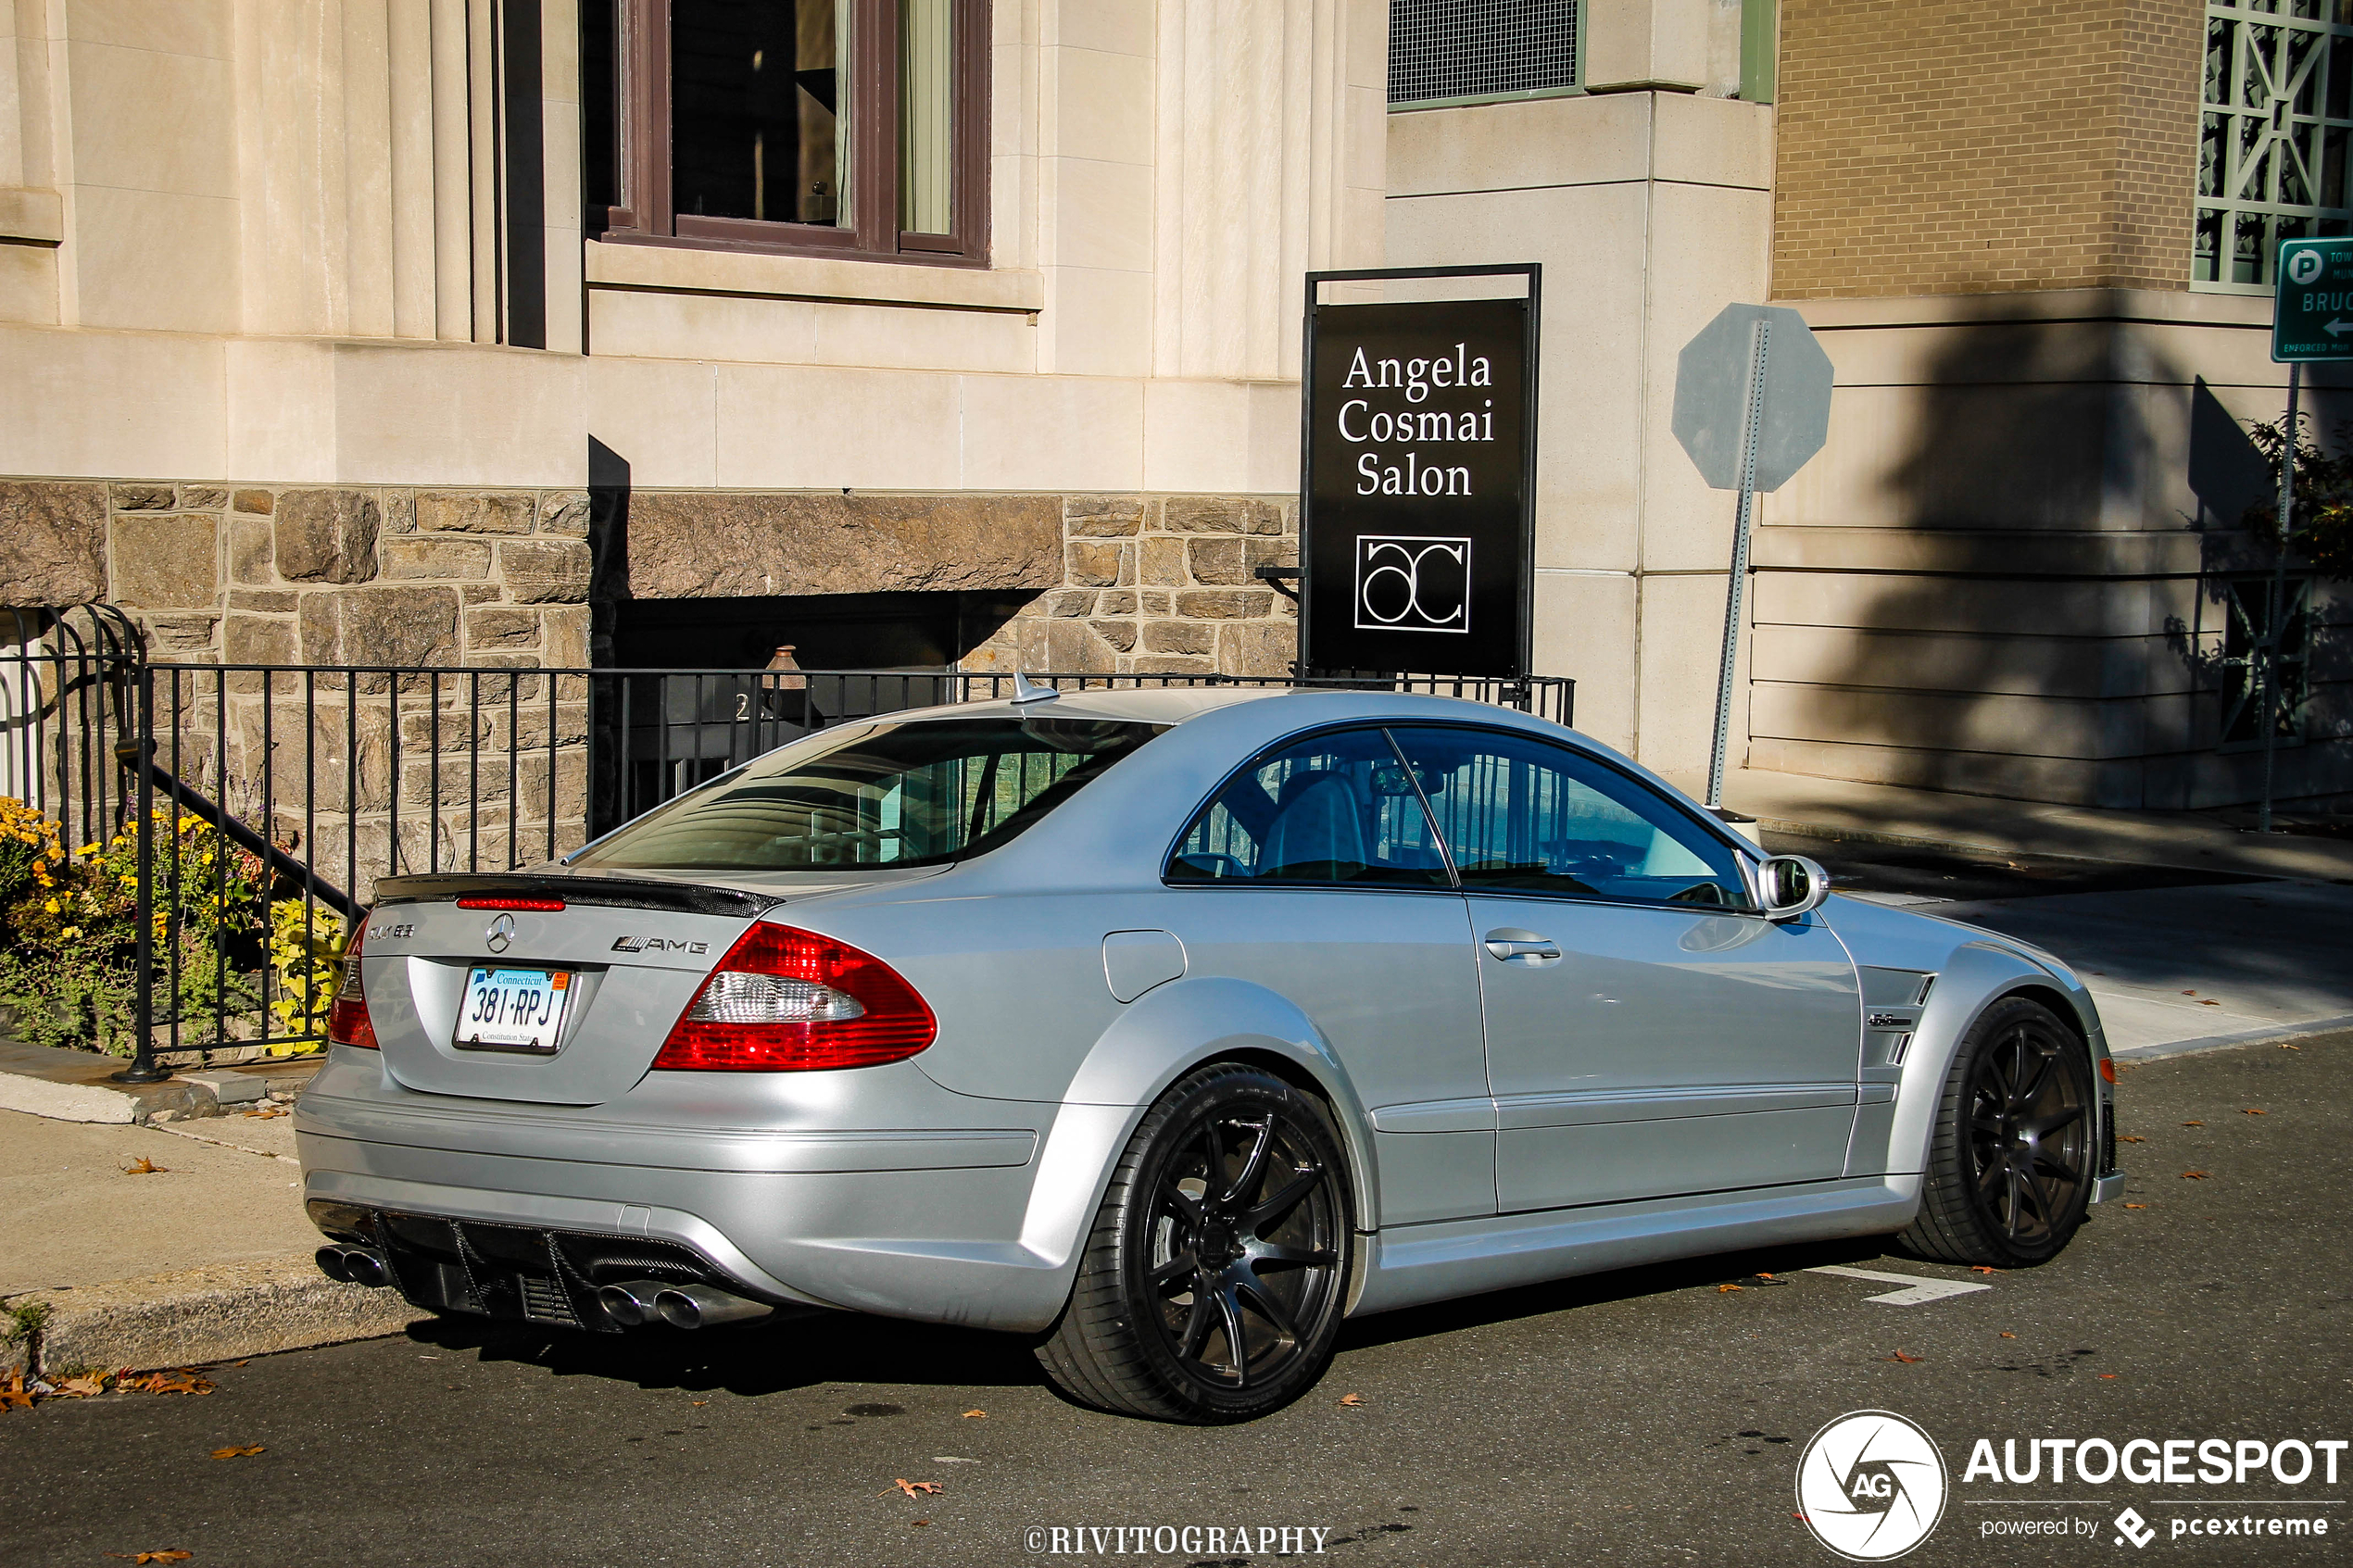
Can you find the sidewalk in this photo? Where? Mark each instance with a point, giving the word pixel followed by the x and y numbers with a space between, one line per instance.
pixel 2174 969
pixel 1890 814
pixel 204 1257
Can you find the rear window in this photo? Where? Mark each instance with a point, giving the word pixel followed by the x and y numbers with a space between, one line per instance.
pixel 916 794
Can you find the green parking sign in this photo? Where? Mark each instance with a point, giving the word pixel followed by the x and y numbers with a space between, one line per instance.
pixel 2312 311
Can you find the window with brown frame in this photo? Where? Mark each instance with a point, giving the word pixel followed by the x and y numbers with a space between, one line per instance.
pixel 845 127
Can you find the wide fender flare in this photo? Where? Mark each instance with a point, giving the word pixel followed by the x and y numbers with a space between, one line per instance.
pixel 1977 975
pixel 1154 1041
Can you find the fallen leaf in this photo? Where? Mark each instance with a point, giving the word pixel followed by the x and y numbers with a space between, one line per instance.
pixel 145 1167
pixel 266 1114
pixel 2251 1110
pixel 2136 1206
pixel 2192 1123
pixel 2008 1334
pixel 2108 1375
pixel 1983 1269
pixel 1351 1399
pixel 2189 993
pixel 239 1453
pixel 2122 1138
pixel 1900 1356
pixel 2286 1047
pixel 698 1402
pixel 914 1488
pixel 182 1382
pixel 82 1387
pixel 2208 1002
pixel 14 1393
pixel 976 1415
pixel 173 1555
pixel 2194 1175
pixel 920 1523
pixel 1721 1288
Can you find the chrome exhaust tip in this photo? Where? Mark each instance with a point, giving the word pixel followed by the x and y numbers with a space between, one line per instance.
pixel 630 1303
pixel 700 1306
pixel 330 1262
pixel 365 1268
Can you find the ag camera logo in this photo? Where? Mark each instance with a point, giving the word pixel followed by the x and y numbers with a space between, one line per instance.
pixel 2304 266
pixel 1872 1485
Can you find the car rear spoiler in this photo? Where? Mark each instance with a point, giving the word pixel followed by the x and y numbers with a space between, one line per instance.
pixel 617 892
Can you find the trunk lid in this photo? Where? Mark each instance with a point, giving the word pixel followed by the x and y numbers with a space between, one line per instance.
pixel 635 951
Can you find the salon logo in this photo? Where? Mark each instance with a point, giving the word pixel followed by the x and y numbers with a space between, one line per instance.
pixel 1412 583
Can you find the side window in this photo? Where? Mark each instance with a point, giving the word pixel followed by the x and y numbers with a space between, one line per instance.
pixel 1522 815
pixel 1330 809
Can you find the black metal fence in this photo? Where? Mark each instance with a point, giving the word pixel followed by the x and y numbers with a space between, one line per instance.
pixel 230 822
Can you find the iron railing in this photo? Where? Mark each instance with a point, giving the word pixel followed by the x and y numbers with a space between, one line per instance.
pixel 259 805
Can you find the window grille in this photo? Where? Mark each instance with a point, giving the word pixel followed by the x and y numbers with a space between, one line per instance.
pixel 1457 51
pixel 2277 112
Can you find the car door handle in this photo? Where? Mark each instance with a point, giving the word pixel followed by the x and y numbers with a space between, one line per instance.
pixel 1510 944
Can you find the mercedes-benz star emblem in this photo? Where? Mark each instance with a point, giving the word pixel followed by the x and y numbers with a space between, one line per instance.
pixel 501 931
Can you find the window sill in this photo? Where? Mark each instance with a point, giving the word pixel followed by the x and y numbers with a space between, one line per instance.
pixel 669 268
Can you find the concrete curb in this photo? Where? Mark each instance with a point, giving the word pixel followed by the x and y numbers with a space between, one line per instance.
pixel 65 1102
pixel 224 1312
pixel 2280 1034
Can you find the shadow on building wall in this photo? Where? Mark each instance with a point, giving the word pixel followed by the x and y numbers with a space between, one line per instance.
pixel 2050 629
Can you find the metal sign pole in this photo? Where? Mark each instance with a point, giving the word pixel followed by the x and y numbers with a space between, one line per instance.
pixel 2267 647
pixel 1752 417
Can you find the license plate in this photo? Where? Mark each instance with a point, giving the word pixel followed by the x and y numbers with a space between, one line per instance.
pixel 514 1009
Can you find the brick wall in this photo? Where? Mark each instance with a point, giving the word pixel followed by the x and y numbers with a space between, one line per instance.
pixel 1962 146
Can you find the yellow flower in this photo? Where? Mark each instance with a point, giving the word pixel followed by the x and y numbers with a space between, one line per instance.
pixel 74 931
pixel 51 906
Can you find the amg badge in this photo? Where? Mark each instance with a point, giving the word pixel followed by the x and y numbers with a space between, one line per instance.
pixel 657 945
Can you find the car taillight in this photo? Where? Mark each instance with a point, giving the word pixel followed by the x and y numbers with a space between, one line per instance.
pixel 502 901
pixel 784 1000
pixel 347 1021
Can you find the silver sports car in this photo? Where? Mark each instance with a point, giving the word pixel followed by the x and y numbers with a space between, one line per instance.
pixel 1169 1028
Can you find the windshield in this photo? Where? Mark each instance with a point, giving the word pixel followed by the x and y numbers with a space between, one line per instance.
pixel 916 794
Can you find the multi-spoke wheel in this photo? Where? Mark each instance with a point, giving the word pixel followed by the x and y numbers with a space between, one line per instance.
pixel 1213 1280
pixel 2013 1162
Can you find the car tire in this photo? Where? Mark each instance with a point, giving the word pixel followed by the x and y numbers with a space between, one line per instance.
pixel 2015 1154
pixel 1213 1282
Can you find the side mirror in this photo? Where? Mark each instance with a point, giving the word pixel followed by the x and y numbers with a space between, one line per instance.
pixel 1790 885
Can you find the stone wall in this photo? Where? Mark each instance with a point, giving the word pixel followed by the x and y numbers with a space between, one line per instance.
pixel 1161 585
pixel 298 575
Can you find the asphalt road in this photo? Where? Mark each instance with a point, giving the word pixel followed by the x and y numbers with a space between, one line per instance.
pixel 1647 1416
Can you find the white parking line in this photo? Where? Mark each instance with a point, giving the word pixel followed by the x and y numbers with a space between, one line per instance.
pixel 1917 1289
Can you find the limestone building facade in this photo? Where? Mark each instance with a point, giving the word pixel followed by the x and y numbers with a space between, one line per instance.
pixel 928 332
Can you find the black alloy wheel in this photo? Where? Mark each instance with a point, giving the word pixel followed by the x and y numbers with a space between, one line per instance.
pixel 2014 1161
pixel 1214 1280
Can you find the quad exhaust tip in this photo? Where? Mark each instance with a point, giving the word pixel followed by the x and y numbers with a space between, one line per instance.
pixel 631 1302
pixel 699 1306
pixel 354 1265
pixel 636 1303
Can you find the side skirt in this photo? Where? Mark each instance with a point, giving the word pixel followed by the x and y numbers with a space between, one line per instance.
pixel 1414 1264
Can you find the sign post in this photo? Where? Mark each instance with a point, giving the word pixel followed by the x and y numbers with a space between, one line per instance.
pixel 2311 320
pixel 1752 405
pixel 1417 484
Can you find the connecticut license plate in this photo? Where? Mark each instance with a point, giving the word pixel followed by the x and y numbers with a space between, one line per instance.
pixel 514 1009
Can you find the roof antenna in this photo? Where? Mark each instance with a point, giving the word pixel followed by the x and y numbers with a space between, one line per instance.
pixel 1025 690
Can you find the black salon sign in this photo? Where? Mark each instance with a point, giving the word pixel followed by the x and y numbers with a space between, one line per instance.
pixel 1418 486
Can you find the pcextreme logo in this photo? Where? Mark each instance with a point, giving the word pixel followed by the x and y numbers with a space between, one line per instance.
pixel 1870 1486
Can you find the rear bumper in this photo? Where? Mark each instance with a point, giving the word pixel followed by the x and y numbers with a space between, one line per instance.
pixel 914 1223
